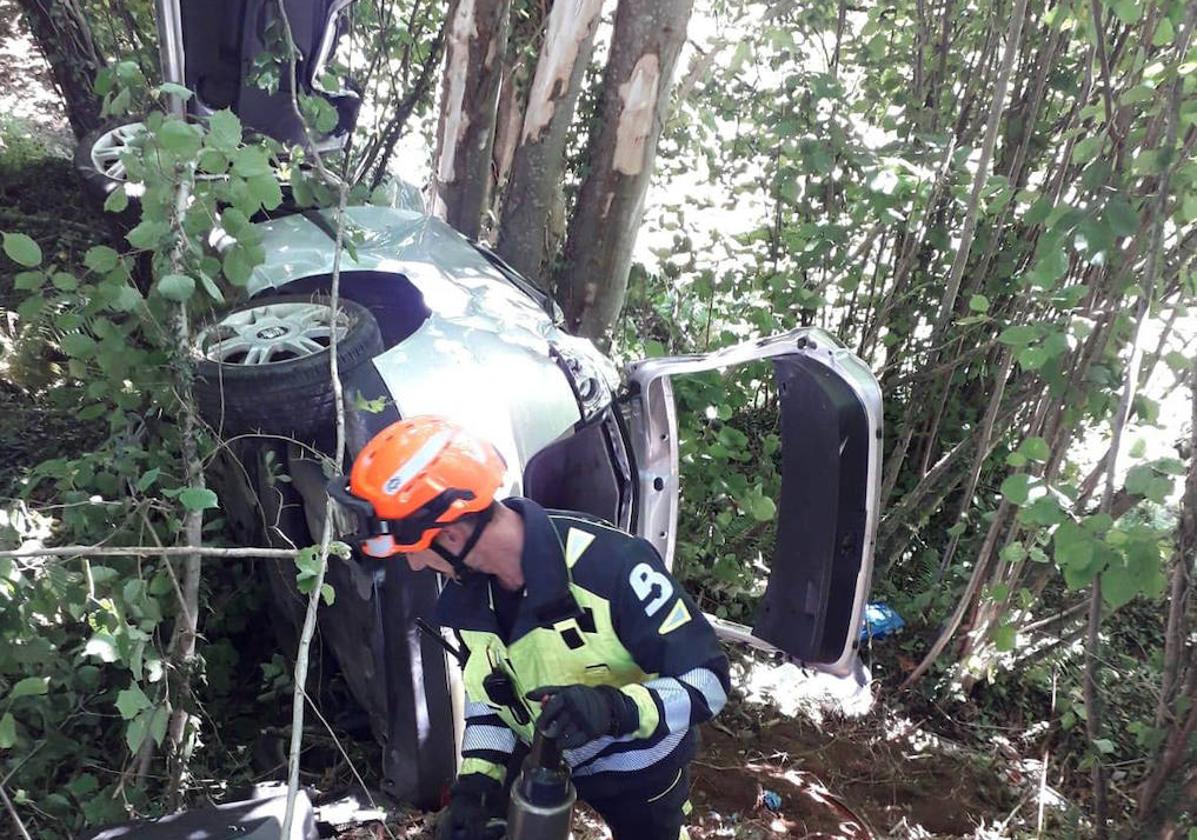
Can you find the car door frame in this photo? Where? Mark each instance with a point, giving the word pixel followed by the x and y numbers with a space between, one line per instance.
pixel 653 428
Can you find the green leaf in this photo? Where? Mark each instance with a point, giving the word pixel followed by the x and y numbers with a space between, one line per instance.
pixel 1121 217
pixel 176 287
pixel 78 345
pixel 101 258
pixel 1039 212
pixel 131 701
pixel 172 89
pixel 198 498
pixel 158 723
pixel 1032 358
pixel 1019 334
pixel 180 139
pixel 137 729
pixel 1045 511
pixel 28 281
pixel 1015 552
pixel 117 200
pixel 83 786
pixel 978 303
pixel 1036 449
pixel 22 250
pixel 29 687
pixel 1119 584
pixel 761 508
pixel 147 234
pixel 328 594
pixel 308 562
pixel 1103 745
pixel 1128 11
pixel 147 479
pixel 8 731
pixel 126 299
pixel 1177 361
pixel 266 190
pixel 1073 545
pixel 237 265
pixel 64 281
pixel 1165 33
pixel 1004 637
pixel 251 162
pixel 211 288
pixel 1017 488
pixel 224 131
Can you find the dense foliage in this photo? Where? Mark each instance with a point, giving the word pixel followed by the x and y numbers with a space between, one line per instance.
pixel 819 167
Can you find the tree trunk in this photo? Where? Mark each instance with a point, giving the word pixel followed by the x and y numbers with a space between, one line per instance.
pixel 476 42
pixel 540 154
pixel 62 34
pixel 598 251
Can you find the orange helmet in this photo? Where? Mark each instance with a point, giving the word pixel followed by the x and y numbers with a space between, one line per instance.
pixel 415 477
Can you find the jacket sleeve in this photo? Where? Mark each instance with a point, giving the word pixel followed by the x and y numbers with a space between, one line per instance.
pixel 487 743
pixel 667 636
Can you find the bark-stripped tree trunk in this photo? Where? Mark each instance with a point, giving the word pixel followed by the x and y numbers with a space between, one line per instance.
pixel 539 156
pixel 598 251
pixel 61 32
pixel 477 40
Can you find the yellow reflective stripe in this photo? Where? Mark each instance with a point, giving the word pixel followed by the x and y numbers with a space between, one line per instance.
pixel 650 718
pixel 686 809
pixel 487 768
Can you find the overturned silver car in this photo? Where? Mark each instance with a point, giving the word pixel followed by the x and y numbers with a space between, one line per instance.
pixel 433 323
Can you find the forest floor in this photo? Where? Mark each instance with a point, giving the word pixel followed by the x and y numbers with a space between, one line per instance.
pixel 858 779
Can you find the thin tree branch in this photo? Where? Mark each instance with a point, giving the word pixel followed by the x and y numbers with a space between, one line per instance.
pixel 150 551
pixel 12 812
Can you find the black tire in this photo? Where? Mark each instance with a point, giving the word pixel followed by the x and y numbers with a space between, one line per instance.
pixel 291 397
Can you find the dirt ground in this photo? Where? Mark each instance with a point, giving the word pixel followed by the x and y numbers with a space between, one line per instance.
pixel 866 779
pixel 27 94
pixel 845 779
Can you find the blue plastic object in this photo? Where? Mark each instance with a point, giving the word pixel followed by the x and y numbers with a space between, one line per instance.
pixel 880 621
pixel 771 800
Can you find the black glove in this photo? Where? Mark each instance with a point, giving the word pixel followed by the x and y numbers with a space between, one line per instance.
pixel 473 801
pixel 577 714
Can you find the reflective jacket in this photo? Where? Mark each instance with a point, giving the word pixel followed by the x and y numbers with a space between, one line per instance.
pixel 599 608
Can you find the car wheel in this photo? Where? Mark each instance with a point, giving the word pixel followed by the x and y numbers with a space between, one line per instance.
pixel 98 157
pixel 264 366
pixel 101 169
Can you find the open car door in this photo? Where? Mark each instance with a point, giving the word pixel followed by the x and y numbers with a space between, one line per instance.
pixel 831 435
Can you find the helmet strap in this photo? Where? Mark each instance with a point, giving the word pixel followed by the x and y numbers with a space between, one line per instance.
pixel 457 561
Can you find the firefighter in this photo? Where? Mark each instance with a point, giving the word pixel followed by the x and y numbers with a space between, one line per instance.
pixel 569 625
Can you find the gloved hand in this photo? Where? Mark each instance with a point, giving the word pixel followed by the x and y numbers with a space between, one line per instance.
pixel 577 714
pixel 473 800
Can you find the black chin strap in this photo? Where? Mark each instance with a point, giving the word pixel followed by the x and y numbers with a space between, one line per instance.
pixel 457 561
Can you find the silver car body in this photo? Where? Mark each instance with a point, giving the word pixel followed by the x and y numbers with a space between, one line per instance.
pixel 486 356
pixel 483 356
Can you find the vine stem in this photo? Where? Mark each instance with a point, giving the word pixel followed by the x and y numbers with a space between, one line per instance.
pixel 151 551
pixel 302 655
pixel 309 619
pixel 12 812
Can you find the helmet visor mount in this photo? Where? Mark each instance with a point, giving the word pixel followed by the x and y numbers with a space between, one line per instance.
pixel 381 538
